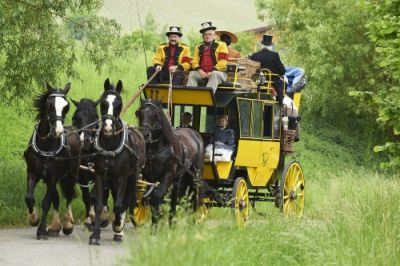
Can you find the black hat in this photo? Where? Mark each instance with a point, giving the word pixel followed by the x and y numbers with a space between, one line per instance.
pixel 207 26
pixel 267 39
pixel 174 30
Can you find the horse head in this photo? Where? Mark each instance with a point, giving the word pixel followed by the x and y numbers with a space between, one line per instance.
pixel 85 119
pixel 110 106
pixel 149 115
pixel 53 106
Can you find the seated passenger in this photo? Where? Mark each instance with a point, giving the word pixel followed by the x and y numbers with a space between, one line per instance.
pixel 296 80
pixel 228 38
pixel 186 120
pixel 209 60
pixel 271 60
pixel 224 142
pixel 171 57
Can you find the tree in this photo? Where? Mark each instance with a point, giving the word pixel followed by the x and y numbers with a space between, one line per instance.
pixel 34 46
pixel 384 31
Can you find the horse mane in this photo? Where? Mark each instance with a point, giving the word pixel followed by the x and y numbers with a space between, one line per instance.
pixel 166 128
pixel 39 103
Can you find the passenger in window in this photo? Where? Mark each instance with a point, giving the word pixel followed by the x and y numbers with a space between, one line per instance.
pixel 224 141
pixel 186 120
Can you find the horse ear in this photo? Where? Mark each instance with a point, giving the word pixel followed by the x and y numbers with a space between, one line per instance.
pixel 49 87
pixel 119 86
pixel 75 102
pixel 107 84
pixel 66 88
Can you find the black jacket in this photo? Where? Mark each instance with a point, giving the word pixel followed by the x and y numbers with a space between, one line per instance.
pixel 226 136
pixel 270 60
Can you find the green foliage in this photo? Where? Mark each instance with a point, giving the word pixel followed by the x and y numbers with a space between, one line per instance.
pixel 351 219
pixel 35 47
pixel 245 44
pixel 384 31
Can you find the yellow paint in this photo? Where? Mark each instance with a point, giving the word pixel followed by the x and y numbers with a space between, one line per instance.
pixel 203 97
pixel 296 99
pixel 260 158
pixel 223 169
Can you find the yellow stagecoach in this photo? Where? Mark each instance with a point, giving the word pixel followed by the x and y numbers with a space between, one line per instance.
pixel 256 170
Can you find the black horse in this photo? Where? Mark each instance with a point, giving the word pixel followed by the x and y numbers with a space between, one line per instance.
pixel 53 156
pixel 121 158
pixel 173 158
pixel 86 121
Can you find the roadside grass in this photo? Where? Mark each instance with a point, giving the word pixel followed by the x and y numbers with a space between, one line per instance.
pixel 351 219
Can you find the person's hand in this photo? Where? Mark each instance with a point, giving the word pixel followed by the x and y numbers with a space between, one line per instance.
pixel 208 74
pixel 203 74
pixel 218 143
pixel 172 69
pixel 158 68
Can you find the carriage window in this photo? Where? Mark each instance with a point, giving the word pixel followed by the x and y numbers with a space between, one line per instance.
pixel 268 118
pixel 207 120
pixel 256 119
pixel 244 113
pixel 277 121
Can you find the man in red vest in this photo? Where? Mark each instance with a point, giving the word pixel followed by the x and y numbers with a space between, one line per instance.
pixel 171 57
pixel 210 60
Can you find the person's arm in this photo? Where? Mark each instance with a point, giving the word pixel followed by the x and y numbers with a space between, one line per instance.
pixel 230 138
pixel 196 59
pixel 222 57
pixel 279 65
pixel 159 57
pixel 185 62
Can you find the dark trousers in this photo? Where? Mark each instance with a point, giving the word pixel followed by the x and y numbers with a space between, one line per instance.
pixel 163 76
pixel 278 85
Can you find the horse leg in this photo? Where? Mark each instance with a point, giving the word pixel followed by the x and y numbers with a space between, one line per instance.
pixel 46 203
pixel 174 202
pixel 119 211
pixel 105 216
pixel 95 236
pixel 55 226
pixel 33 218
pixel 68 187
pixel 86 201
pixel 156 199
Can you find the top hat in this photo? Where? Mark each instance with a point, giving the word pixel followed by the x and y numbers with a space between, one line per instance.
pixel 267 39
pixel 207 26
pixel 174 30
pixel 233 37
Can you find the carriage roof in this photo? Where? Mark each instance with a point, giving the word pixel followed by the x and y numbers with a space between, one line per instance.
pixel 196 96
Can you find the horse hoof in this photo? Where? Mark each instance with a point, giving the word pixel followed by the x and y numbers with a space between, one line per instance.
pixel 104 223
pixel 53 232
pixel 118 238
pixel 68 231
pixel 33 221
pixel 40 236
pixel 89 226
pixel 94 241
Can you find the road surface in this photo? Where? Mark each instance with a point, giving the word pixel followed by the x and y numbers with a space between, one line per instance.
pixel 19 246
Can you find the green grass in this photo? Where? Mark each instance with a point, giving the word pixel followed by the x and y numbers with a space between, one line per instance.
pixel 349 220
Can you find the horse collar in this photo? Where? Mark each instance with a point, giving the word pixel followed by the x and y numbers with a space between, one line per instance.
pixel 46 153
pixel 119 149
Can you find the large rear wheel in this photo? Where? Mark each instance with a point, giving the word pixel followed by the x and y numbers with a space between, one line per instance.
pixel 292 190
pixel 240 201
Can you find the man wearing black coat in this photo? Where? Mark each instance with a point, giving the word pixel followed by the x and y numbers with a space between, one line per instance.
pixel 271 60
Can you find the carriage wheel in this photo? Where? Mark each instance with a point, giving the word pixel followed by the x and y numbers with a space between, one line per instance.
pixel 240 201
pixel 141 214
pixel 292 190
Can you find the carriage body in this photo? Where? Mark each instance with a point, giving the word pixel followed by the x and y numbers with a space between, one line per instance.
pixel 255 170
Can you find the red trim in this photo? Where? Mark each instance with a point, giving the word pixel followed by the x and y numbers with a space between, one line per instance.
pixel 223 56
pixel 186 59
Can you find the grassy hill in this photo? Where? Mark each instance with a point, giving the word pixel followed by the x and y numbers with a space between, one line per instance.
pixel 233 15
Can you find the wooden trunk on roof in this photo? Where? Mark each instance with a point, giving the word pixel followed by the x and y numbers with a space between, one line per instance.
pixel 247 68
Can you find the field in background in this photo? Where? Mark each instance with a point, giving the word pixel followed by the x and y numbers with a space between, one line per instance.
pixel 190 14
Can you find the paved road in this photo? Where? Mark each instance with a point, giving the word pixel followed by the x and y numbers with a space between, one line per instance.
pixel 19 247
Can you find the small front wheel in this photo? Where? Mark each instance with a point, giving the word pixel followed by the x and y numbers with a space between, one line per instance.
pixel 292 190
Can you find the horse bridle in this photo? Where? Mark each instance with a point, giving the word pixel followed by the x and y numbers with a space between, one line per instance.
pixel 154 127
pixel 57 117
